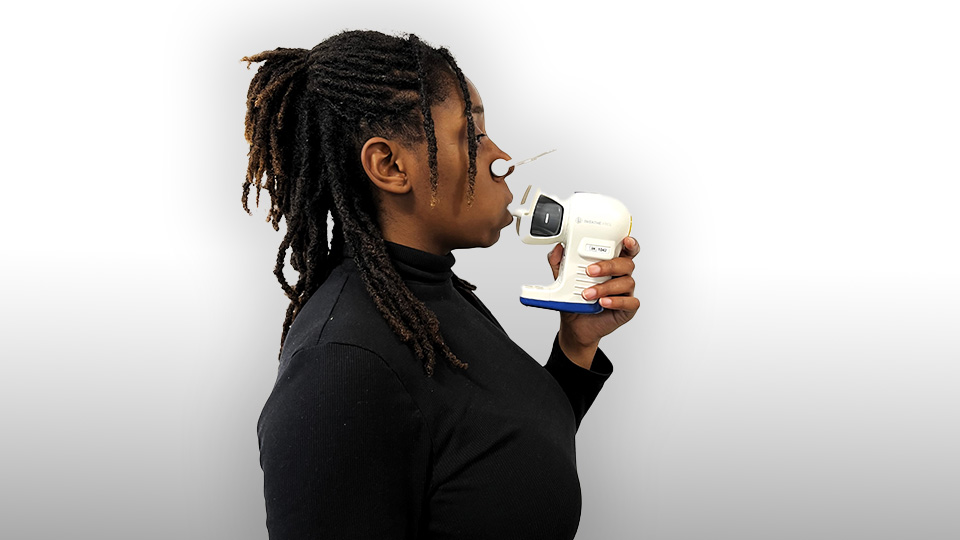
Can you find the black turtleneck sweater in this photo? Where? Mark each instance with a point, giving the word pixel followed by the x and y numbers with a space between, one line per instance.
pixel 357 442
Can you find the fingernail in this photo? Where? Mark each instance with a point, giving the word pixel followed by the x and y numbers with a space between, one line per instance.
pixel 606 302
pixel 593 269
pixel 590 294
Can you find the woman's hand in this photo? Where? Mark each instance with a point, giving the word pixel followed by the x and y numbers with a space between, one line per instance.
pixel 580 333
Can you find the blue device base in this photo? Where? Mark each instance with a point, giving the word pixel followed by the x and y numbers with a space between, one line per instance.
pixel 570 307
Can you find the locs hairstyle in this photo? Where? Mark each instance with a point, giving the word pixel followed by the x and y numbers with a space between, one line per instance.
pixel 309 113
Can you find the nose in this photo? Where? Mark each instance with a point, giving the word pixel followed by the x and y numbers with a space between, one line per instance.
pixel 497 156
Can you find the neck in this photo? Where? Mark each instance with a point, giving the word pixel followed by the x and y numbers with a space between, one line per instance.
pixel 399 235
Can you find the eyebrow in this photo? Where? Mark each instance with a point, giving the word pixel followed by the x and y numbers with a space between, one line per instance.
pixel 477 109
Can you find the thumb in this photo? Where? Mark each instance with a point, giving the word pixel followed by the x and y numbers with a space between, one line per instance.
pixel 554 258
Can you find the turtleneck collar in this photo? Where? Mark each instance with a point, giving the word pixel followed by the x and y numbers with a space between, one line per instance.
pixel 419 265
pixel 414 264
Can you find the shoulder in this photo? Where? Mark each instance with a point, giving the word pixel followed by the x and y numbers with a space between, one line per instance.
pixel 332 367
pixel 331 381
pixel 341 311
pixel 340 425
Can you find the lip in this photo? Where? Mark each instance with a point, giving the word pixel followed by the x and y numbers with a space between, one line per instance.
pixel 507 218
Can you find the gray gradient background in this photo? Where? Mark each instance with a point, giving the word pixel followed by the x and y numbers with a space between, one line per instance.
pixel 792 169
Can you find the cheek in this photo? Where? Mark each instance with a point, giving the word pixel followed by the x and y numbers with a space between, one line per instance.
pixel 452 165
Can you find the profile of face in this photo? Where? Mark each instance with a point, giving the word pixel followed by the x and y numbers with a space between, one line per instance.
pixel 402 173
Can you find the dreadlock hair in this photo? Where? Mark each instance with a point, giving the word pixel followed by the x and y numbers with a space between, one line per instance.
pixel 309 113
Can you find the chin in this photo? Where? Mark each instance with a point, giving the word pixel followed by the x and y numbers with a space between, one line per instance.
pixel 491 239
pixel 481 242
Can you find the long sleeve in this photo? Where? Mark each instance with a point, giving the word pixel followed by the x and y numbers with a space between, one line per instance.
pixel 344 449
pixel 580 385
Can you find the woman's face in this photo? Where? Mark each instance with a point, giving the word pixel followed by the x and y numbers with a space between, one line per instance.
pixel 451 224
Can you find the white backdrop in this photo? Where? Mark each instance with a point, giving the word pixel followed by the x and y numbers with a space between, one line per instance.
pixel 792 169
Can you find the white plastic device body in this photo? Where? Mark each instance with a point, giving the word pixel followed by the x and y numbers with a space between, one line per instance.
pixel 590 226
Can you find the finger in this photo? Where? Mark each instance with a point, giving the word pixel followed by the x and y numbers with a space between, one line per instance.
pixel 625 303
pixel 623 285
pixel 620 266
pixel 554 258
pixel 630 247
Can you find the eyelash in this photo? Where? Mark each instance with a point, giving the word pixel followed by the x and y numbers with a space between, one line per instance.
pixel 480 137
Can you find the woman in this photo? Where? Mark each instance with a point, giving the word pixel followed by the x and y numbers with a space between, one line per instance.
pixel 402 409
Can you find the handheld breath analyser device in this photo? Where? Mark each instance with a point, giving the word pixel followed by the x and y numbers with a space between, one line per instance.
pixel 591 228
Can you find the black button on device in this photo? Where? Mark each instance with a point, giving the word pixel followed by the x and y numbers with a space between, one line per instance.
pixel 547 217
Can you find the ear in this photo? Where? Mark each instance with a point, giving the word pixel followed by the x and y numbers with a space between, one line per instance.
pixel 383 162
